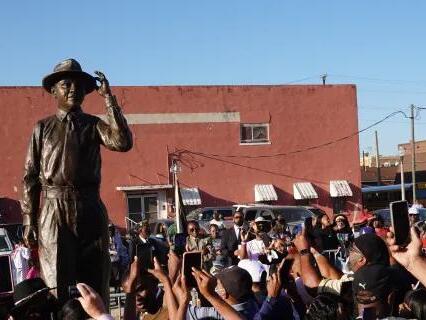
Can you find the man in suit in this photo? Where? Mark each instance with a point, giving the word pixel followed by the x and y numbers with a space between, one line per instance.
pixel 231 238
pixel 143 243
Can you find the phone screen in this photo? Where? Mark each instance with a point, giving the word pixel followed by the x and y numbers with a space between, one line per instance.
pixel 6 285
pixel 369 313
pixel 144 254
pixel 180 242
pixel 400 221
pixel 190 260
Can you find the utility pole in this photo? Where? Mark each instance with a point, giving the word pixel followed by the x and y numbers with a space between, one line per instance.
pixel 377 159
pixel 401 158
pixel 363 160
pixel 175 169
pixel 323 78
pixel 413 155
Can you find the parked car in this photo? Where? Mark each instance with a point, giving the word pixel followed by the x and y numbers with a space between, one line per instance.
pixel 385 215
pixel 294 215
pixel 205 215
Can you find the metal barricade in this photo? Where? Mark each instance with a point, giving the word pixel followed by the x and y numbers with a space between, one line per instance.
pixel 130 224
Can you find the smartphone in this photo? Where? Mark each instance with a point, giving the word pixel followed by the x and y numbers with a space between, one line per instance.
pixel 308 225
pixel 400 222
pixel 191 260
pixel 73 292
pixel 369 313
pixel 180 243
pixel 145 258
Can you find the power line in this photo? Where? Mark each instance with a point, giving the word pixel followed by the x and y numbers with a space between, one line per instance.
pixel 299 150
pixel 377 79
pixel 301 80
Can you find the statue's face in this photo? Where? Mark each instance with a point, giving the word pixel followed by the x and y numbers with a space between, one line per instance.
pixel 69 93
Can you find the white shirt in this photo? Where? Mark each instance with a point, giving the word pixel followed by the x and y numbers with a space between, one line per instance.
pixel 255 248
pixel 237 230
pixel 143 239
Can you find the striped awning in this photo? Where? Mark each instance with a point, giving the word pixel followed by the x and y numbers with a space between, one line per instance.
pixel 264 192
pixel 304 190
pixel 340 188
pixel 190 196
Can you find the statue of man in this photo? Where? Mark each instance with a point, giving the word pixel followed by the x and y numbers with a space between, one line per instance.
pixel 63 171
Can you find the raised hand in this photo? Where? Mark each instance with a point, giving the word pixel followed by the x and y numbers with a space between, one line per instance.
pixel 129 283
pixel 181 290
pixel 206 282
pixel 158 272
pixel 301 241
pixel 91 301
pixel 274 286
pixel 104 90
pixel 405 255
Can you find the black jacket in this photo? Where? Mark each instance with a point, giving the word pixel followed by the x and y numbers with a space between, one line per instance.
pixel 230 243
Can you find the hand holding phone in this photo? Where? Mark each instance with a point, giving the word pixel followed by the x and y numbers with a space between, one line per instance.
pixel 191 260
pixel 400 222
pixel 145 257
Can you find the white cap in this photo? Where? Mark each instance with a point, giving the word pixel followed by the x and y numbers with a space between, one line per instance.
pixel 413 210
pixel 260 219
pixel 254 267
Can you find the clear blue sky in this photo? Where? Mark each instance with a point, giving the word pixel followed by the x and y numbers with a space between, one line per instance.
pixel 232 42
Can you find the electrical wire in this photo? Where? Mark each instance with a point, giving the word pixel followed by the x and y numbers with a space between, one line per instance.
pixel 299 150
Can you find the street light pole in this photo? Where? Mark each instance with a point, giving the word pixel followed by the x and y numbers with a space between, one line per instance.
pixel 401 158
pixel 413 155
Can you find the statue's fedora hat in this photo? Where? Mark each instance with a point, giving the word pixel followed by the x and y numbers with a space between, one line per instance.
pixel 69 68
pixel 29 292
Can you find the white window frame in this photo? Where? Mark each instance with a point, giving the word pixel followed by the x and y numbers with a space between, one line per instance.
pixel 142 197
pixel 252 141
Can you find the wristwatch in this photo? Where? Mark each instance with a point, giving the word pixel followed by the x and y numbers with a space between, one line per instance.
pixel 304 252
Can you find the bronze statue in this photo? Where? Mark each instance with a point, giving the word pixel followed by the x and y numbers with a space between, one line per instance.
pixel 63 170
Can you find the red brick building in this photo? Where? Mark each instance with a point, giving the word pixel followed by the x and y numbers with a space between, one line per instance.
pixel 234 144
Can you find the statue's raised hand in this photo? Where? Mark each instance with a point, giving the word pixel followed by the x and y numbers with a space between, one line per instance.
pixel 104 90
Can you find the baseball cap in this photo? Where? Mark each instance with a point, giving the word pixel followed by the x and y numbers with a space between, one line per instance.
pixel 413 210
pixel 373 248
pixel 254 268
pixel 372 283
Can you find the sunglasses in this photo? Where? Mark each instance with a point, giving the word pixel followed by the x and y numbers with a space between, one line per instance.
pixel 193 229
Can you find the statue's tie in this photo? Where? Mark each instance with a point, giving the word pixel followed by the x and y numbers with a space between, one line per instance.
pixel 71 150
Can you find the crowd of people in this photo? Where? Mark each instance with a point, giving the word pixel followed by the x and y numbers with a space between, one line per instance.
pixel 262 269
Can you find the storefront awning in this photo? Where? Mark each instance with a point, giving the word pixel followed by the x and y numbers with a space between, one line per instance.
pixel 264 192
pixel 340 188
pixel 190 196
pixel 144 187
pixel 304 190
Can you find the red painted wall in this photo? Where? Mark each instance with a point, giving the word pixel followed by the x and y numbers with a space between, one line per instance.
pixel 300 116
